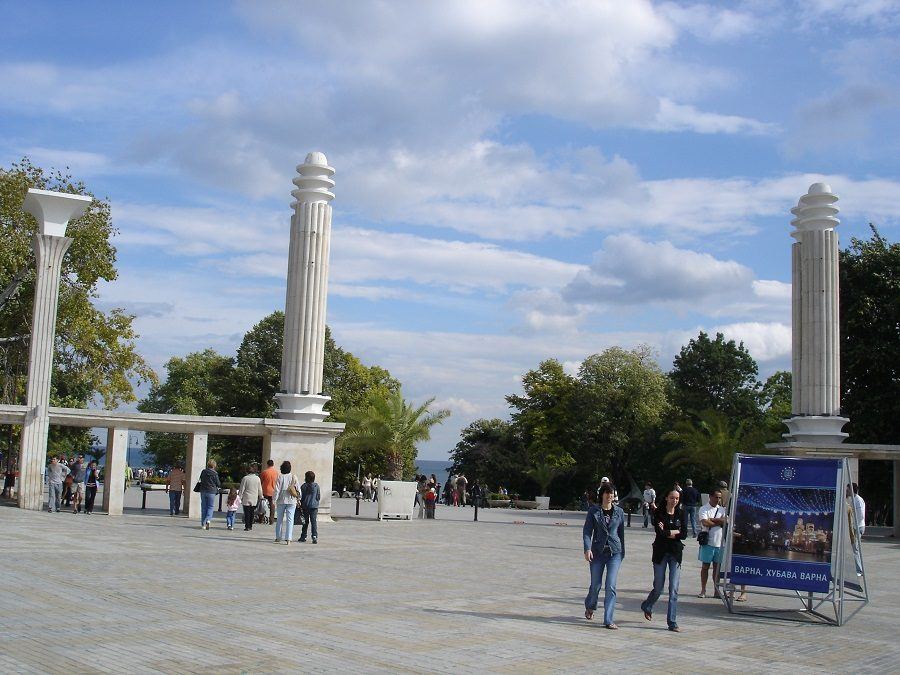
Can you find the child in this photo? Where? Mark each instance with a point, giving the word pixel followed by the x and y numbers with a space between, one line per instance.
pixel 309 503
pixel 233 505
pixel 430 501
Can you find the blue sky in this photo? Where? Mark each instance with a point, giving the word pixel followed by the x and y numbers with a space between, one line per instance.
pixel 515 180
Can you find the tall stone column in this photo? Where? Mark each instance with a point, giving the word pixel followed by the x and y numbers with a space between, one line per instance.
pixel 301 396
pixel 816 364
pixel 53 211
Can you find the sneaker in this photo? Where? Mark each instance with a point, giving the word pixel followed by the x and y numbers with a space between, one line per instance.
pixel 315 540
pixel 231 527
pixel 287 542
pixel 278 541
pixel 302 539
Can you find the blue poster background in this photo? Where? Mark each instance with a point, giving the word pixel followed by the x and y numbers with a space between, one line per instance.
pixel 783 523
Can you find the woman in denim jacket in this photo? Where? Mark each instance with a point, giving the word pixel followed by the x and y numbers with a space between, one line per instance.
pixel 604 548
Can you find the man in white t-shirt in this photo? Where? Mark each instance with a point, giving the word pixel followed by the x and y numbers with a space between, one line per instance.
pixel 712 519
pixel 860 507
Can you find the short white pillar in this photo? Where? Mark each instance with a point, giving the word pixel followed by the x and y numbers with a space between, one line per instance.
pixel 114 480
pixel 305 452
pixel 194 464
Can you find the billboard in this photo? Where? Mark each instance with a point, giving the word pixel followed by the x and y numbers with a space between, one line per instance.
pixel 783 522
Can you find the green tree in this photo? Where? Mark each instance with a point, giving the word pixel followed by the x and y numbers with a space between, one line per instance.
pixel 870 339
pixel 775 399
pixel 870 356
pixel 542 415
pixel 490 450
pixel 622 395
pixel 710 442
pixel 195 385
pixel 391 427
pixel 716 375
pixel 95 356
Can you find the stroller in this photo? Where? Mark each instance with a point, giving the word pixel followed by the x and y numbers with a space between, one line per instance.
pixel 262 512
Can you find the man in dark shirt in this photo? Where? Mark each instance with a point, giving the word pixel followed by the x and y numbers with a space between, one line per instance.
pixel 690 499
pixel 78 470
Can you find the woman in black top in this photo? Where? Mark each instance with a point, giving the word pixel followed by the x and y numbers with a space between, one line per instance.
pixel 209 486
pixel 91 480
pixel 671 529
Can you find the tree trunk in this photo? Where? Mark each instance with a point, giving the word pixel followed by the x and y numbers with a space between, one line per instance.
pixel 395 466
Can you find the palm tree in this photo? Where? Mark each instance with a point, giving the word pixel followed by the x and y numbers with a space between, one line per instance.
pixel 543 473
pixel 709 441
pixel 391 426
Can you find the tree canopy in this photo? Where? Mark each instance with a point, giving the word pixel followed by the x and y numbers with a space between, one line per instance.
pixel 208 383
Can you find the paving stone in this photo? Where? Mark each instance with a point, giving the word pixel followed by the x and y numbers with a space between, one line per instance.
pixel 148 593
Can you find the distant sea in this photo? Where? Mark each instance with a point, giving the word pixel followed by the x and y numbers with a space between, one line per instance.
pixel 439 468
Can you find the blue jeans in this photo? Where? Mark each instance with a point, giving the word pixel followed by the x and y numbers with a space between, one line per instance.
pixel 174 502
pixel 611 564
pixel 691 512
pixel 309 518
pixel 207 505
pixel 659 580
pixel 284 527
pixel 229 518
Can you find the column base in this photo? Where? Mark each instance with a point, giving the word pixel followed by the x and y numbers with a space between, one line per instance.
pixel 303 407
pixel 815 429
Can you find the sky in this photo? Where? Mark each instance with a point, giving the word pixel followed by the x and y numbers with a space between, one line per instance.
pixel 515 180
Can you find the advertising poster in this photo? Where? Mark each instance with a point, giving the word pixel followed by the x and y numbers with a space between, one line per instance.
pixel 783 523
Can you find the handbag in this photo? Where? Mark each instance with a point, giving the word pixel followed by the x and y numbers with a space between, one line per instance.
pixel 292 488
pixel 703 537
pixel 197 487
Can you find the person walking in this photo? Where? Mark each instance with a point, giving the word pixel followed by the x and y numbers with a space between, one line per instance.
pixel 712 519
pixel 309 505
pixel 668 546
pixel 233 503
pixel 462 485
pixel 209 488
pixel 56 474
pixel 604 549
pixel 77 470
pixel 175 483
pixel 690 499
pixel 251 493
pixel 268 478
pixel 367 487
pixel 287 489
pixel 648 503
pixel 91 482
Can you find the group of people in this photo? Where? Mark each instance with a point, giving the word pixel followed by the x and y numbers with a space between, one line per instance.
pixel 72 484
pixel 277 490
pixel 604 547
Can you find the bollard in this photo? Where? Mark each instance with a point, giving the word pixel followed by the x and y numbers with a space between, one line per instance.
pixel 357 503
pixel 476 510
pixel 629 519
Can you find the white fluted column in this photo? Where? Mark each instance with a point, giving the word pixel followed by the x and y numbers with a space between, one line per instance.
pixel 816 364
pixel 303 358
pixel 52 210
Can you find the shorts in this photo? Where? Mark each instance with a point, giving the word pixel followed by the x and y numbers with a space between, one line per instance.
pixel 78 489
pixel 710 554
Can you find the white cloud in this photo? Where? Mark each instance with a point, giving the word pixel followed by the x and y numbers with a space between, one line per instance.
pixel 673 116
pixel 711 22
pixel 631 271
pixel 768 343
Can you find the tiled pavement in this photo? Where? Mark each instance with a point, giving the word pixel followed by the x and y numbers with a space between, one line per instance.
pixel 148 593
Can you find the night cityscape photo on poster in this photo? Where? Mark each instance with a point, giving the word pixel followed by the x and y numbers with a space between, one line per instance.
pixel 783 523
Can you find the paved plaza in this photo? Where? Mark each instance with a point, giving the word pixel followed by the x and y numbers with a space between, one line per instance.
pixel 146 593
